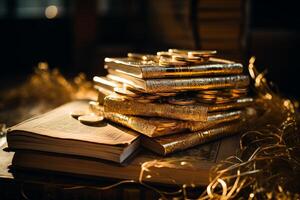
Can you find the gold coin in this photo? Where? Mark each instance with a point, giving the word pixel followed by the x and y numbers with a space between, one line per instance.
pixel 78 113
pixel 144 100
pixel 195 59
pixel 151 97
pixel 206 96
pixel 207 101
pixel 179 57
pixel 145 57
pixel 208 91
pixel 125 92
pixel 167 94
pixel 170 62
pixel 164 54
pixel 239 90
pixel 221 100
pixel 177 63
pixel 90 119
pixel 178 51
pixel 236 96
pixel 201 53
pixel 132 89
pixel 181 101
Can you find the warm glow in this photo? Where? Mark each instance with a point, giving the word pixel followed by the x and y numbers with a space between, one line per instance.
pixel 251 195
pixel 51 12
pixel 148 176
pixel 183 163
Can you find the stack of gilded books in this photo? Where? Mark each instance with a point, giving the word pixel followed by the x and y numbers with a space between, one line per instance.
pixel 177 98
pixel 166 102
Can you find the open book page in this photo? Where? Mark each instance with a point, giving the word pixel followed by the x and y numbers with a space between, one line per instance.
pixel 58 123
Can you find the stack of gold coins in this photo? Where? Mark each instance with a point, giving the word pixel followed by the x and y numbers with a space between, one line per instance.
pixel 173 80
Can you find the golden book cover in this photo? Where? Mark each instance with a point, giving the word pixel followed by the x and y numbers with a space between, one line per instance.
pixel 165 145
pixel 118 104
pixel 150 69
pixel 196 112
pixel 154 126
pixel 180 84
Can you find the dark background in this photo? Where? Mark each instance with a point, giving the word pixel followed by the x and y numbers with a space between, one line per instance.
pixel 85 31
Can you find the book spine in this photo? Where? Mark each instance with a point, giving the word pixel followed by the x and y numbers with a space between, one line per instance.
pixel 114 103
pixel 176 85
pixel 179 142
pixel 192 71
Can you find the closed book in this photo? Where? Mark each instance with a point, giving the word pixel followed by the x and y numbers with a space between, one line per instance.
pixel 187 167
pixel 151 69
pixel 180 84
pixel 154 126
pixel 58 132
pixel 118 104
pixel 165 145
pixel 197 112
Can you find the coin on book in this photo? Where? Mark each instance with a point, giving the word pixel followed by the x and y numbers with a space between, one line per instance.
pixel 179 57
pixel 90 119
pixel 208 91
pixel 221 100
pixel 145 57
pixel 195 60
pixel 206 96
pixel 202 53
pixel 78 113
pixel 206 101
pixel 179 51
pixel 164 54
pixel 143 100
pixel 166 94
pixel 125 92
pixel 151 96
pixel 163 61
pixel 181 100
pixel 239 90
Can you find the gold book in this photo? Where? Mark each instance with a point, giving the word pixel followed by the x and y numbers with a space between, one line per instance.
pixel 196 112
pixel 154 127
pixel 118 104
pixel 150 69
pixel 180 84
pixel 168 144
pixel 106 83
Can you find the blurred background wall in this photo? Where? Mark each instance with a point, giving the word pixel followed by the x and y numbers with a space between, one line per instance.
pixel 76 35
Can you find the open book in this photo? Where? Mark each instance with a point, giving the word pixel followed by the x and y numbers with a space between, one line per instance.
pixel 58 132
